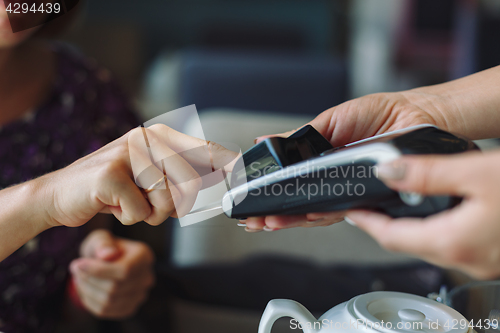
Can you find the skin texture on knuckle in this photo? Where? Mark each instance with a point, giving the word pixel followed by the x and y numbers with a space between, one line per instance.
pixel 142 213
pixel 168 206
pixel 196 183
pixel 175 197
pixel 135 214
pixel 142 147
pixel 163 207
pixel 111 172
pixel 187 194
pixel 158 128
pixel 276 223
pixel 191 185
pixel 125 219
pixel 117 152
pixel 137 210
pixel 136 142
pixel 154 221
pixel 221 155
pixel 153 138
pixel 120 152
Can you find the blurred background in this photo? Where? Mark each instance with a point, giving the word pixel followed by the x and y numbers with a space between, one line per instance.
pixel 256 67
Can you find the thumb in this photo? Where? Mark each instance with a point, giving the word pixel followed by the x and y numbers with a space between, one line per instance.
pixel 321 124
pixel 281 135
pixel 429 175
pixel 259 139
pixel 100 244
pixel 315 123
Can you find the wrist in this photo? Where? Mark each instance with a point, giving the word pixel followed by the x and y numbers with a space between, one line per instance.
pixel 441 108
pixel 23 216
pixel 42 203
pixel 471 103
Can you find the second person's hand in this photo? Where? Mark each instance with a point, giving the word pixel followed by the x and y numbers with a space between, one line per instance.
pixel 113 275
pixel 465 237
pixel 359 119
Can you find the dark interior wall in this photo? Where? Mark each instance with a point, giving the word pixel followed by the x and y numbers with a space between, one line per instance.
pixel 180 23
pixel 488 42
pixel 127 35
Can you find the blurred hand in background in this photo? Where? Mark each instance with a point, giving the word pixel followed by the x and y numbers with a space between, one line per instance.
pixel 113 276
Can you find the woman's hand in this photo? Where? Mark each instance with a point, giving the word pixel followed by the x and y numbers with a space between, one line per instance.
pixel 466 237
pixel 115 178
pixel 113 275
pixel 467 106
pixel 384 112
pixel 125 178
pixel 362 118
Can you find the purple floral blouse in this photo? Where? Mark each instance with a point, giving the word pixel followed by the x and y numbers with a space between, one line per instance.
pixel 84 111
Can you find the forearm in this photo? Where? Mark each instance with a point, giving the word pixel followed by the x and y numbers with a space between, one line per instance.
pixel 472 103
pixel 22 216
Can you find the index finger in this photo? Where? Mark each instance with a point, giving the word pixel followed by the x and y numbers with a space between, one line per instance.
pixel 195 150
pixel 281 135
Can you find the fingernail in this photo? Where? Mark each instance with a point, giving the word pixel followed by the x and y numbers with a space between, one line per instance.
pixel 255 140
pixel 315 221
pixel 391 171
pixel 252 230
pixel 351 222
pixel 266 228
pixel 241 225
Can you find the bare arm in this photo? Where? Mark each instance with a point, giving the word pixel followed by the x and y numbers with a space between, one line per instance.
pixel 23 216
pixel 473 103
pixel 104 182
